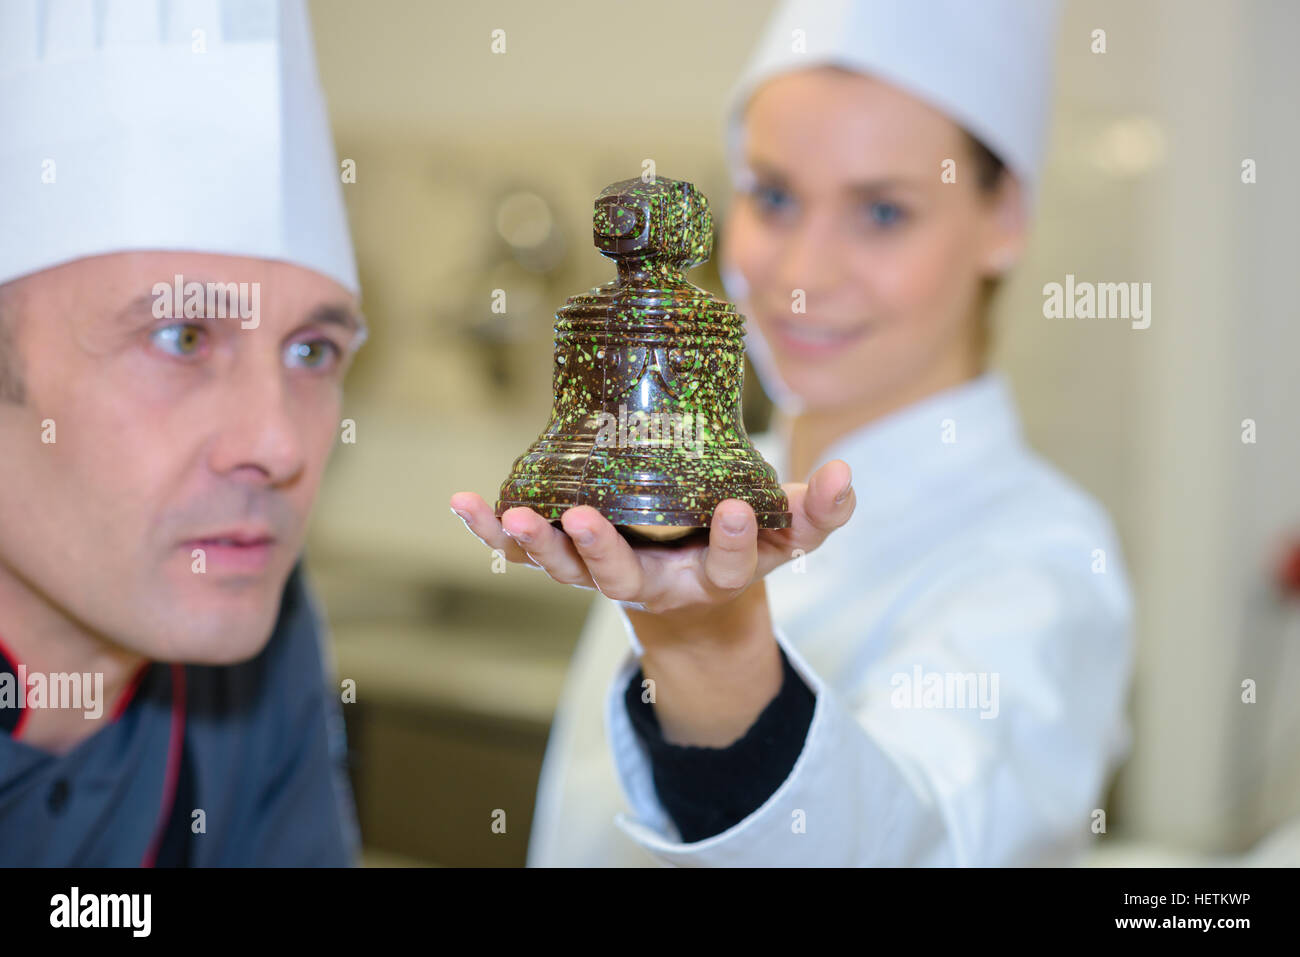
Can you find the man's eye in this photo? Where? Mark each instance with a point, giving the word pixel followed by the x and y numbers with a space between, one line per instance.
pixel 182 339
pixel 884 214
pixel 312 354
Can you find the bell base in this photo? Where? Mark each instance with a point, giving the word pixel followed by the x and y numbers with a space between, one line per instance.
pixel 658 533
pixel 631 518
pixel 689 536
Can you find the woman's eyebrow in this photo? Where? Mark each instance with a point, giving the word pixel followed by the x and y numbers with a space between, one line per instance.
pixel 875 187
pixel 885 182
pixel 767 171
pixel 863 188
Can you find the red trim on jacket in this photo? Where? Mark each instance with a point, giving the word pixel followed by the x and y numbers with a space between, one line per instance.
pixel 174 748
pixel 10 657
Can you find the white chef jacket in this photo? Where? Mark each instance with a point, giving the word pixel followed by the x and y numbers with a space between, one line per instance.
pixel 969 559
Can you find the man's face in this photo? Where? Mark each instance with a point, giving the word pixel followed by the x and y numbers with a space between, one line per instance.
pixel 168 510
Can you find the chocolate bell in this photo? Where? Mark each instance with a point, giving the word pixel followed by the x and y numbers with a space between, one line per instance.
pixel 646 426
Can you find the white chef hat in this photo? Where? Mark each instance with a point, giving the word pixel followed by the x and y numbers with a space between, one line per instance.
pixel 194 125
pixel 987 64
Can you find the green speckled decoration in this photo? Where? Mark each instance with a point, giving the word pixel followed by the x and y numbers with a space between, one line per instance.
pixel 646 423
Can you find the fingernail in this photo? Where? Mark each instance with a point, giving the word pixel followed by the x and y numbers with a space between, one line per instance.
pixel 735 524
pixel 464 516
pixel 584 536
pixel 523 538
pixel 844 493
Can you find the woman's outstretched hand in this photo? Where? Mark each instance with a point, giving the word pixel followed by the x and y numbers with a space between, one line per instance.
pixel 671 581
pixel 710 657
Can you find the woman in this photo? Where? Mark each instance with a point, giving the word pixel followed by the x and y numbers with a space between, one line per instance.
pixel 930 667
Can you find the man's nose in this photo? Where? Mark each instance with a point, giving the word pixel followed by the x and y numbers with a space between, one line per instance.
pixel 260 440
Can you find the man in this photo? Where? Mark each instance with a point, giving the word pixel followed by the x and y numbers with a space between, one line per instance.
pixel 178 309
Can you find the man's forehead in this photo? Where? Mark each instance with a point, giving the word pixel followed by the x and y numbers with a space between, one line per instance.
pixel 128 271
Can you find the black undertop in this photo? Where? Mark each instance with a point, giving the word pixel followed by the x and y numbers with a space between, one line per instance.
pixel 707 790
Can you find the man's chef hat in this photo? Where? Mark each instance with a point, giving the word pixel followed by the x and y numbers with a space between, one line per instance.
pixel 193 125
pixel 987 64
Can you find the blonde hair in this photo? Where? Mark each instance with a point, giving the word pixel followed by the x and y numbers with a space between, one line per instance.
pixel 12 387
pixel 989 170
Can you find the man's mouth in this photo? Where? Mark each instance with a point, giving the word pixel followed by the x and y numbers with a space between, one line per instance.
pixel 244 552
pixel 809 340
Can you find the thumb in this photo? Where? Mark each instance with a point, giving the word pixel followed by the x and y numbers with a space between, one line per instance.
pixel 826 504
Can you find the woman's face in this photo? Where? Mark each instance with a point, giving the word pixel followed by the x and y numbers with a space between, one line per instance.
pixel 848 216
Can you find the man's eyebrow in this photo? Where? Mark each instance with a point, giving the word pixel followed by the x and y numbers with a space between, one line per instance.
pixel 146 300
pixel 345 317
pixel 334 314
pixel 143 302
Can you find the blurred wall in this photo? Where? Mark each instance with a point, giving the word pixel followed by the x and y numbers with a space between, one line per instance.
pixel 1145 185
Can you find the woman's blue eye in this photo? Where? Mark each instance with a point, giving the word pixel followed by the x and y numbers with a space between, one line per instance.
pixel 884 214
pixel 771 198
pixel 183 339
pixel 312 353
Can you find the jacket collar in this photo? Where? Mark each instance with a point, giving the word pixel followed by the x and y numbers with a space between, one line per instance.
pixel 922 447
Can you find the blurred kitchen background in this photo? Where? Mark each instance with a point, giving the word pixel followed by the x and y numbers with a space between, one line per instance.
pixel 477 172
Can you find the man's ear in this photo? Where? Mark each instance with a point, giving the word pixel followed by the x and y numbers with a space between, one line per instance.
pixel 1006 226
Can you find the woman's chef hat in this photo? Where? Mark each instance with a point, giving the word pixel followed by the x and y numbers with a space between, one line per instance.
pixel 987 64
pixel 192 125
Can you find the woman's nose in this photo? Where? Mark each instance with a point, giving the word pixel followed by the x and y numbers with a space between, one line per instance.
pixel 810 257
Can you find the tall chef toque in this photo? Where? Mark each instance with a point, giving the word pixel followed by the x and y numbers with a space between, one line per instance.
pixel 187 125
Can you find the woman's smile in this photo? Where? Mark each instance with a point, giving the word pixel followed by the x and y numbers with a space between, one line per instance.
pixel 809 339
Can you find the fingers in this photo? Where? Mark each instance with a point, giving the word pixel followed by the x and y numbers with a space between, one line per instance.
pixel 829 501
pixel 732 555
pixel 547 546
pixel 482 522
pixel 609 559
